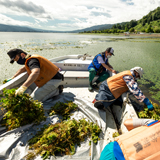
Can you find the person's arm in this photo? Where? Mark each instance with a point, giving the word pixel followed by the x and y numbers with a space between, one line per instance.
pixel 21 70
pixel 34 66
pixel 32 77
pixel 129 124
pixel 108 68
pixel 109 65
pixel 133 88
pixel 136 122
pixel 100 60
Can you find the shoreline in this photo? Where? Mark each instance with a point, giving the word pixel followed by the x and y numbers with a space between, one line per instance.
pixel 146 35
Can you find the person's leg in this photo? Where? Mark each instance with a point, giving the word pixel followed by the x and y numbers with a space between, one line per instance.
pixel 47 91
pixel 92 73
pixel 102 76
pixel 104 98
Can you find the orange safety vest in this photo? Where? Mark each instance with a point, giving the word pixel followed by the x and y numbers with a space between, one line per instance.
pixel 47 70
pixel 117 85
pixel 142 143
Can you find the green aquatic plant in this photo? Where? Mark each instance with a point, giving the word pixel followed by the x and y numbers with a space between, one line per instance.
pixel 115 134
pixel 155 114
pixel 62 138
pixel 63 109
pixel 20 109
pixel 5 81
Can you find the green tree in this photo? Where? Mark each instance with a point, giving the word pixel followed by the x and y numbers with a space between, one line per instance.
pixel 131 30
pixel 132 23
pixel 114 26
pixel 118 26
pixel 149 19
pixel 142 30
pixel 126 29
pixel 123 26
pixel 149 29
pixel 157 30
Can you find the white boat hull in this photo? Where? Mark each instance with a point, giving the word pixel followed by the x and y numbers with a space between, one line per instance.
pixel 76 75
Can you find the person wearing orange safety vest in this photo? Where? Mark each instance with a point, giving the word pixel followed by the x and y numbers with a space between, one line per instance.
pixel 141 143
pixel 112 89
pixel 41 71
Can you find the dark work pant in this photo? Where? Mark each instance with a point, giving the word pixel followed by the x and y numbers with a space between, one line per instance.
pixel 104 94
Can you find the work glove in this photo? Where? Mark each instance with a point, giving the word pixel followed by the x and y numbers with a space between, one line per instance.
pixel 148 103
pixel 7 80
pixel 20 90
pixel 10 79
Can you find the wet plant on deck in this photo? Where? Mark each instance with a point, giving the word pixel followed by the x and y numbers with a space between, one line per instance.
pixel 62 138
pixel 63 109
pixel 155 114
pixel 20 110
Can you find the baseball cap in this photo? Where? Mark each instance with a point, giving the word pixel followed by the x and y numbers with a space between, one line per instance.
pixel 110 50
pixel 13 52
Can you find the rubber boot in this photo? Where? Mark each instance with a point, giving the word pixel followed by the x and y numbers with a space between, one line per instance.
pixel 60 87
pixel 90 88
pixel 95 85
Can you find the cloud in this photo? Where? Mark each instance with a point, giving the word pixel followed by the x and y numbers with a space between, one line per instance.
pixel 75 14
pixel 23 7
pixel 9 21
pixel 128 2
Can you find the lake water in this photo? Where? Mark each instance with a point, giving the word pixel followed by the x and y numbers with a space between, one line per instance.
pixel 129 52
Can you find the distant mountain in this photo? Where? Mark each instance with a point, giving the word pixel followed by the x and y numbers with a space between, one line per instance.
pixel 98 27
pixel 12 28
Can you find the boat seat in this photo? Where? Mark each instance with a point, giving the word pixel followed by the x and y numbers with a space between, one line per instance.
pixel 76 74
pixel 76 78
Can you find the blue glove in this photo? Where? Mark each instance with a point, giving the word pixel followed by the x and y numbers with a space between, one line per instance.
pixel 148 103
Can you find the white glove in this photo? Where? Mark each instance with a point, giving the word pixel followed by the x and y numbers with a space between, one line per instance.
pixel 20 90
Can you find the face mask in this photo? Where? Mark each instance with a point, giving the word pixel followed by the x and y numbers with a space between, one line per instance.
pixel 109 56
pixel 21 61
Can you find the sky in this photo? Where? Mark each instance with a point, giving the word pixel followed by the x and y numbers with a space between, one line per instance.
pixel 69 15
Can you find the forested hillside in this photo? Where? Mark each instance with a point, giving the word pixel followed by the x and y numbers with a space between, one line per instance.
pixel 149 24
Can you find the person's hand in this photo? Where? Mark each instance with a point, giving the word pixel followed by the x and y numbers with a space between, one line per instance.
pixel 113 71
pixel 148 103
pixel 20 90
pixel 150 107
pixel 9 79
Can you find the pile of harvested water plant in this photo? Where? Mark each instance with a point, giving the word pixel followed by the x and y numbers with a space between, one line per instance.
pixel 155 114
pixel 62 138
pixel 20 110
pixel 63 109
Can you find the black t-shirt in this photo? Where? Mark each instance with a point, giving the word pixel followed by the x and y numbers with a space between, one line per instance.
pixel 34 63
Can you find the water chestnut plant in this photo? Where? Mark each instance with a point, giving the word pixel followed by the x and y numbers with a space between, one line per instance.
pixel 63 109
pixel 5 81
pixel 61 138
pixel 155 114
pixel 20 109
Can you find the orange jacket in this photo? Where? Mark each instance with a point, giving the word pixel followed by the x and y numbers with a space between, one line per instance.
pixel 47 70
pixel 142 143
pixel 117 85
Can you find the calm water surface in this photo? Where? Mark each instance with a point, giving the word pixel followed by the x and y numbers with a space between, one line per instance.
pixel 129 52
